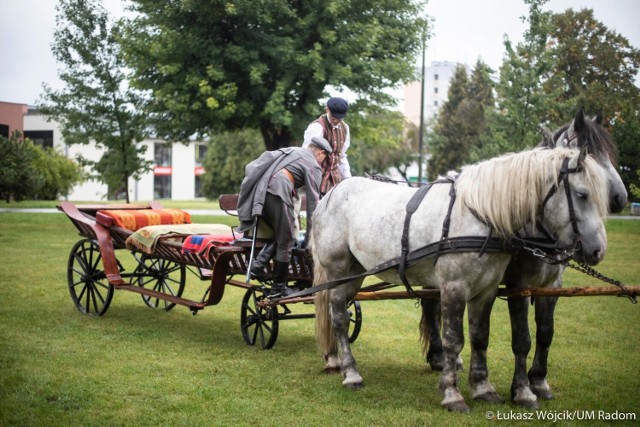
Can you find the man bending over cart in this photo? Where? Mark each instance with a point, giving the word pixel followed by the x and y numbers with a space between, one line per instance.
pixel 269 190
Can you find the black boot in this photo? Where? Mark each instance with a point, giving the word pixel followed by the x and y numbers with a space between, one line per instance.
pixel 279 288
pixel 258 268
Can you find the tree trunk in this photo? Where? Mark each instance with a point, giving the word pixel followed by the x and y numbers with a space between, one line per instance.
pixel 275 138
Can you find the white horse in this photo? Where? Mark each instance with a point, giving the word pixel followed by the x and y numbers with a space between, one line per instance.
pixel 359 225
pixel 527 270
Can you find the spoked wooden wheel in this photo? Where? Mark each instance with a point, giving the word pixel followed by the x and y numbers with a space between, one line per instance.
pixel 355 319
pixel 259 324
pixel 159 275
pixel 89 288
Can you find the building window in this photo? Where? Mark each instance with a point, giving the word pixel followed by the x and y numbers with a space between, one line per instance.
pixel 161 187
pixel 435 103
pixel 162 154
pixel 201 153
pixel 42 138
pixel 435 90
pixel 435 77
pixel 4 130
pixel 162 171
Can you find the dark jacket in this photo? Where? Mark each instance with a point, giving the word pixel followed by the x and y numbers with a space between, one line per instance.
pixel 257 177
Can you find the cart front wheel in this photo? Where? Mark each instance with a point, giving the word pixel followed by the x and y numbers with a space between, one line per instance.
pixel 160 275
pixel 355 320
pixel 259 324
pixel 90 290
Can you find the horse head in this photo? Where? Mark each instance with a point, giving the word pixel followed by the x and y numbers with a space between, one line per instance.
pixel 589 134
pixel 576 206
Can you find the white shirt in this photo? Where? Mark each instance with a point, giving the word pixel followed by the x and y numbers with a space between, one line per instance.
pixel 315 130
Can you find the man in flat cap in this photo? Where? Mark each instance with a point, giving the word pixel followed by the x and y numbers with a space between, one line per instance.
pixel 332 127
pixel 270 190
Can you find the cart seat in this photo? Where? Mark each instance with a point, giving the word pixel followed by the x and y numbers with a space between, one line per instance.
pixel 135 219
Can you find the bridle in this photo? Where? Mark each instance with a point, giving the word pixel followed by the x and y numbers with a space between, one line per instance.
pixel 563 177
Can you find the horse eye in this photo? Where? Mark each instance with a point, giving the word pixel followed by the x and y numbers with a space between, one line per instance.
pixel 581 195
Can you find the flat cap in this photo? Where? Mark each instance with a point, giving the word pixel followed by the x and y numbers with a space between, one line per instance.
pixel 321 143
pixel 338 107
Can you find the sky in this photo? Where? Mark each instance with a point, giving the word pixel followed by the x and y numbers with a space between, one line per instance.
pixel 463 31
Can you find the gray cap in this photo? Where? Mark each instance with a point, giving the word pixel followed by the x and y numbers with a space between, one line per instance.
pixel 321 143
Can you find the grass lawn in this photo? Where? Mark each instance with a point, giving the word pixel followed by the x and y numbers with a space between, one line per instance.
pixel 136 366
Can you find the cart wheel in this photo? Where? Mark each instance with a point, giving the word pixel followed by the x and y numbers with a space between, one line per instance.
pixel 90 290
pixel 159 275
pixel 256 322
pixel 355 319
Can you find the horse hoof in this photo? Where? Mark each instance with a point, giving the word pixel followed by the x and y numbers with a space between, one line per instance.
pixel 490 397
pixel 527 404
pixel 542 389
pixel 458 406
pixel 525 398
pixel 330 370
pixel 543 394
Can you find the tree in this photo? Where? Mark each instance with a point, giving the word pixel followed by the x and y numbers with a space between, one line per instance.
pixel 448 150
pixel 56 174
pixel 524 103
pixel 384 140
pixel 214 65
pixel 599 69
pixel 227 155
pixel 18 175
pixel 96 105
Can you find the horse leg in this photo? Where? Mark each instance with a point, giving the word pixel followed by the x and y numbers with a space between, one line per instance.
pixel 430 334
pixel 521 393
pixel 453 305
pixel 324 334
pixel 479 325
pixel 544 307
pixel 340 324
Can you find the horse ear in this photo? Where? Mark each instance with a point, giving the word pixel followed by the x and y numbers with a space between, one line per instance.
pixel 598 117
pixel 578 122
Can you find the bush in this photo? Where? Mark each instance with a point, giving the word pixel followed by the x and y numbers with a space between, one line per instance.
pixel 227 156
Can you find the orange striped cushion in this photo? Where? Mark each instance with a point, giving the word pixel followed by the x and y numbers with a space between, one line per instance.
pixel 135 219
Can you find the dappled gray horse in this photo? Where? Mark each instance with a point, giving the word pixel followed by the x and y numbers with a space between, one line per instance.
pixel 527 270
pixel 359 225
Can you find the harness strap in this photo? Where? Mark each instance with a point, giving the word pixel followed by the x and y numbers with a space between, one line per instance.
pixel 412 206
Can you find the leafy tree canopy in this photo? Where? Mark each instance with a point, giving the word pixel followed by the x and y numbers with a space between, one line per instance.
pixel 96 103
pixel 214 65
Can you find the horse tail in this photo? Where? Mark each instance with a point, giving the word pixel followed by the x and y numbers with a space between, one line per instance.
pixel 324 331
pixel 425 331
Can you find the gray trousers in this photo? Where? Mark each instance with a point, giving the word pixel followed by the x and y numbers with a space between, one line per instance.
pixel 281 218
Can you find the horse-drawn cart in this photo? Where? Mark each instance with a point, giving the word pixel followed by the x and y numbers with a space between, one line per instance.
pixel 166 246
pixel 168 250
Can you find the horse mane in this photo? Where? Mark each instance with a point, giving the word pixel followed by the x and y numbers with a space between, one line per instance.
pixel 597 139
pixel 507 191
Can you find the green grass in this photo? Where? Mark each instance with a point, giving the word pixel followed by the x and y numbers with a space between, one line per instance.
pixel 139 367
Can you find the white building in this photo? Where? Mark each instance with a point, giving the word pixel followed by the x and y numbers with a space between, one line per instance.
pixel 437 79
pixel 176 170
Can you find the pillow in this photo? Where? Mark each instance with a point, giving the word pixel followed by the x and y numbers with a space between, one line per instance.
pixel 134 219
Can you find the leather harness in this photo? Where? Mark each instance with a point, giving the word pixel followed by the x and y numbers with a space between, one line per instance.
pixel 481 244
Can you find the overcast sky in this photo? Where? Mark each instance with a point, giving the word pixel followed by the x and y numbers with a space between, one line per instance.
pixel 464 30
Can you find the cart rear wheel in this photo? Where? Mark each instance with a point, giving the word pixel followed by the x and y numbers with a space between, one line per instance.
pixel 90 290
pixel 159 275
pixel 259 324
pixel 355 320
